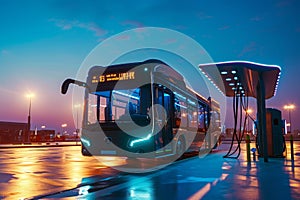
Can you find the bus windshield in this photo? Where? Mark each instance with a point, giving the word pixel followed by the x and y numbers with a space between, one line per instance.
pixel 106 106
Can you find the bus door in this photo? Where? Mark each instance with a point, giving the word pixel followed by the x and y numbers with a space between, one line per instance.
pixel 164 120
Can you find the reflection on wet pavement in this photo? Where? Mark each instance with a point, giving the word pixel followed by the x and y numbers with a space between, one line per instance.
pixel 34 172
pixel 30 172
pixel 213 177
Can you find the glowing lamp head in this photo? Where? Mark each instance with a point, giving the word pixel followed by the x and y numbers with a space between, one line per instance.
pixel 30 95
pixel 289 107
pixel 249 111
pixel 77 105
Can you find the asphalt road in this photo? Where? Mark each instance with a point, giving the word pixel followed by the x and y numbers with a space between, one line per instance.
pixel 30 172
pixel 58 172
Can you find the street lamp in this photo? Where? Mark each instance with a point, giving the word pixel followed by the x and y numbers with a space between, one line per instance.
pixel 63 126
pixel 30 96
pixel 289 108
pixel 77 106
pixel 43 134
pixel 248 112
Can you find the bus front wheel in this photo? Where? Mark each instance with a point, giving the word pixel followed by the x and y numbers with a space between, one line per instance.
pixel 84 151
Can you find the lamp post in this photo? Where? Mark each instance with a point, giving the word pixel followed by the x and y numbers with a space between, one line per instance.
pixel 42 136
pixel 62 130
pixel 30 96
pixel 77 106
pixel 248 112
pixel 289 108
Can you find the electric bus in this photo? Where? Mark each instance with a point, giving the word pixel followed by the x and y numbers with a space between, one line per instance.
pixel 144 108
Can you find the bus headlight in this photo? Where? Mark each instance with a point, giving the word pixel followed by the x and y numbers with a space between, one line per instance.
pixel 85 142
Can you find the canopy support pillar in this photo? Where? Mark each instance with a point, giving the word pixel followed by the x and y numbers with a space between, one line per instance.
pixel 261 114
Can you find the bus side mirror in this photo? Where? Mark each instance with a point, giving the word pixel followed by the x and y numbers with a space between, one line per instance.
pixel 65 85
pixel 67 82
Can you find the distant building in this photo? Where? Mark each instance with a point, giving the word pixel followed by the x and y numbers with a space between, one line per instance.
pixel 42 135
pixel 13 132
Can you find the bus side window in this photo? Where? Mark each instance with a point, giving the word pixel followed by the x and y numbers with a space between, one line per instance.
pixel 201 117
pixel 207 117
pixel 192 114
pixel 177 113
pixel 182 107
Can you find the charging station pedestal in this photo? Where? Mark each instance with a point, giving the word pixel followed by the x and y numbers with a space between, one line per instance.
pixel 275 131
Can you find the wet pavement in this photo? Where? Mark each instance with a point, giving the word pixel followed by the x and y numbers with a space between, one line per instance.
pixel 211 177
pixel 68 175
pixel 28 172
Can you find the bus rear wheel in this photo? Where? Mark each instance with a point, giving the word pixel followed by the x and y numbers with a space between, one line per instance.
pixel 180 146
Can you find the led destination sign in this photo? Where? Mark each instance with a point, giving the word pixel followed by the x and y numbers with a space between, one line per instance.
pixel 114 77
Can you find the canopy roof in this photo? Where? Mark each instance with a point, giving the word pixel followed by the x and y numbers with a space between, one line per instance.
pixel 242 77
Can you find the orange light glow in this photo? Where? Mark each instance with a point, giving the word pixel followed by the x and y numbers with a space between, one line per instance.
pixel 77 105
pixel 289 107
pixel 30 95
pixel 249 111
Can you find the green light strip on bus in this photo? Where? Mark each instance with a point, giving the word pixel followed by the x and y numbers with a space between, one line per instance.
pixel 140 140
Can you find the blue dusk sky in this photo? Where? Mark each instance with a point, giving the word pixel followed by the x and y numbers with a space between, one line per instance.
pixel 44 42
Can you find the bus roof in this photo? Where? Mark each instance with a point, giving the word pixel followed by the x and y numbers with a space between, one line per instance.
pixel 105 78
